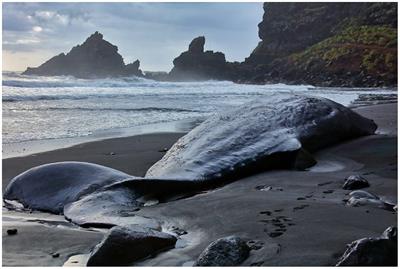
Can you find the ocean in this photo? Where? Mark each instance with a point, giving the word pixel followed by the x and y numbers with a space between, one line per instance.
pixel 45 108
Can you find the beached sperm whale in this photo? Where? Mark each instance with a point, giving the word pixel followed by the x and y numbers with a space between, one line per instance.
pixel 234 140
pixel 256 136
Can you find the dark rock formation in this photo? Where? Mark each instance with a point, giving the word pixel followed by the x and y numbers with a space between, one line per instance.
pixel 228 251
pixel 355 182
pixel 122 245
pixel 160 76
pixel 197 64
pixel 197 45
pixel 12 231
pixel 95 58
pixel 380 251
pixel 326 44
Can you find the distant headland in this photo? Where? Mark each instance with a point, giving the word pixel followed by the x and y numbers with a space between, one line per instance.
pixel 322 44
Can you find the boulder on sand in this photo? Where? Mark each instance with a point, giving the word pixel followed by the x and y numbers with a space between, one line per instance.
pixel 355 182
pixel 123 245
pixel 379 251
pixel 227 251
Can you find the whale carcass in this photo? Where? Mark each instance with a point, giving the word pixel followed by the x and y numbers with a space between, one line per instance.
pixel 232 141
pixel 255 136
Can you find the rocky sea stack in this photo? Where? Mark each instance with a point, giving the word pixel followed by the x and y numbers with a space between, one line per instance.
pixel 197 64
pixel 326 44
pixel 95 58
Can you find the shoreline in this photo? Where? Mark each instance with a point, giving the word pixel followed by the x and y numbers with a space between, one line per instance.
pixel 27 148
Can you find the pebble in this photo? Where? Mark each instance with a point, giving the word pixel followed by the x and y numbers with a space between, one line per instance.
pixel 12 231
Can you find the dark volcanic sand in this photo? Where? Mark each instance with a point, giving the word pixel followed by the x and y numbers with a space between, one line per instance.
pixel 305 223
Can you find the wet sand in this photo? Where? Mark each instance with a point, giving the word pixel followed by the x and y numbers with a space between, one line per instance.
pixel 305 207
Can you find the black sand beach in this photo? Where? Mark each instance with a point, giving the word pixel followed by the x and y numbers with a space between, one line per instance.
pixel 302 220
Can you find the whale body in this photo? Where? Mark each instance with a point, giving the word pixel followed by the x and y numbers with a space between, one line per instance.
pixel 51 186
pixel 255 136
pixel 244 136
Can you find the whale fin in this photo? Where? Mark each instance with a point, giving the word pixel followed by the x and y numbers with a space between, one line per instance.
pixel 303 160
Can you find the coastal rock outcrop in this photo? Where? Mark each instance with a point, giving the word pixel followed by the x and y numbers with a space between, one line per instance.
pixel 227 251
pixel 122 246
pixel 325 44
pixel 95 58
pixel 379 251
pixel 197 64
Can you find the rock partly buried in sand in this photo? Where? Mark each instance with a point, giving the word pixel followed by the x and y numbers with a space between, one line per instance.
pixel 263 134
pixel 355 182
pixel 361 198
pixel 380 251
pixel 122 246
pixel 51 186
pixel 227 251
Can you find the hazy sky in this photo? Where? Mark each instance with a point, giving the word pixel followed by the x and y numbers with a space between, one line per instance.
pixel 154 33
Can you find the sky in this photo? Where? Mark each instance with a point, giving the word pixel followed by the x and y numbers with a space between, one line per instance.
pixel 154 33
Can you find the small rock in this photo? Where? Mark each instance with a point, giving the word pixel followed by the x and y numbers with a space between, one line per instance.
pixel 227 251
pixel 355 182
pixel 361 198
pixel 178 231
pixel 379 251
pixel 12 231
pixel 55 255
pixel 123 245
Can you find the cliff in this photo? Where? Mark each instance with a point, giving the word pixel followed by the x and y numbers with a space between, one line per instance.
pixel 95 58
pixel 327 44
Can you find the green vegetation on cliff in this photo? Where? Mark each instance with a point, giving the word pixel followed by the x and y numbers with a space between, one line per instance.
pixel 371 48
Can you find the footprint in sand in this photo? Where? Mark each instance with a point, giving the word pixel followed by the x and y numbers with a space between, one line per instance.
pixel 328 191
pixel 275 234
pixel 260 263
pixel 279 224
pixel 324 183
pixel 268 213
pixel 255 244
pixel 300 207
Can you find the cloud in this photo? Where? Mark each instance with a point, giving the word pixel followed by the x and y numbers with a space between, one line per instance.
pixel 155 33
pixel 37 28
